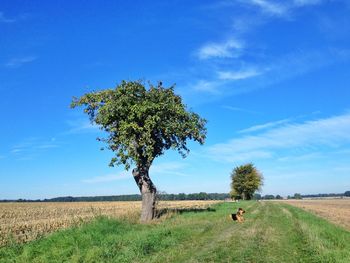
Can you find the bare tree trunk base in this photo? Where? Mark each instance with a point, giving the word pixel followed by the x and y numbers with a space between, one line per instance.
pixel 148 192
pixel 148 206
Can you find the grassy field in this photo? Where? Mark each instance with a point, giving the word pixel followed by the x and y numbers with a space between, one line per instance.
pixel 273 232
pixel 24 222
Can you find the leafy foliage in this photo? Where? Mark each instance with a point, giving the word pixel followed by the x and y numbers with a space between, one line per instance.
pixel 257 196
pixel 269 197
pixel 142 123
pixel 246 179
pixel 297 196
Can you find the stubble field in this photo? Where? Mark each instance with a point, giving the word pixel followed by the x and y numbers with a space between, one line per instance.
pixel 22 222
pixel 336 211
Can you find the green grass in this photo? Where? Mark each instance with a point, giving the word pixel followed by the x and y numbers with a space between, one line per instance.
pixel 273 232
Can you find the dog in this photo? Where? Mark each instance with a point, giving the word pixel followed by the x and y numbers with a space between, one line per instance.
pixel 238 216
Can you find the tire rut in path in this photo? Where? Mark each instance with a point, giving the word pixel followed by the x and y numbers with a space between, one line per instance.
pixel 224 235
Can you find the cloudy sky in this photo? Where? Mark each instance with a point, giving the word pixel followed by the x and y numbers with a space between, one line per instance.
pixel 271 78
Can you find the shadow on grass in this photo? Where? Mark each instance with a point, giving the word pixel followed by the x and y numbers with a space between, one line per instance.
pixel 167 211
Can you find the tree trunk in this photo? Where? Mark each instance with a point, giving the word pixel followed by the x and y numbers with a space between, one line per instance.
pixel 148 192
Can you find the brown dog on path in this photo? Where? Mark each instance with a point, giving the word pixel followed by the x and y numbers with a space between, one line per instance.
pixel 238 216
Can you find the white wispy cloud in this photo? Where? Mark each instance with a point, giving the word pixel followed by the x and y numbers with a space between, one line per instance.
pixel 231 108
pixel 228 49
pixel 17 150
pixel 14 19
pixel 264 126
pixel 31 147
pixel 333 132
pixel 289 180
pixel 240 74
pixel 302 62
pixel 47 146
pixel 20 61
pixel 276 70
pixel 302 157
pixel 220 76
pixel 281 9
pixel 81 125
pixel 106 178
pixel 269 6
pixel 168 168
pixel 206 86
pixel 342 169
pixel 307 2
pixel 4 19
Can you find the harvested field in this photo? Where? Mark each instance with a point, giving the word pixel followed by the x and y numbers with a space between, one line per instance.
pixel 336 211
pixel 23 222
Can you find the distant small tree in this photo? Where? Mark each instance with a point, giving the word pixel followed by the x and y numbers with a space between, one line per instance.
pixel 234 195
pixel 297 196
pixel 246 179
pixel 257 196
pixel 347 193
pixel 202 196
pixel 269 197
pixel 182 196
pixel 279 197
pixel 142 123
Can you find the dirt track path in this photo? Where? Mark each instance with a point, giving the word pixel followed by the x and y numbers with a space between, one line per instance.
pixel 272 232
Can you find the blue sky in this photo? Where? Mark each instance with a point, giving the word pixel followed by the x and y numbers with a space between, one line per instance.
pixel 271 78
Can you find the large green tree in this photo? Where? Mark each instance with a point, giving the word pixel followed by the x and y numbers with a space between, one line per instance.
pixel 246 180
pixel 141 123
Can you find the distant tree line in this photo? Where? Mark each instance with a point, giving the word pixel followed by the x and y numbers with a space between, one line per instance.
pixel 347 193
pixel 299 196
pixel 194 196
pixel 266 197
pixel 171 197
pixel 134 197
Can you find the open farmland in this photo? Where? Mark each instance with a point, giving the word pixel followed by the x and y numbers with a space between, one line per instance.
pixel 27 221
pixel 336 211
pixel 273 232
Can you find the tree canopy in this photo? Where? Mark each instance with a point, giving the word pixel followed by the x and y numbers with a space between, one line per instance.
pixel 141 125
pixel 246 179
